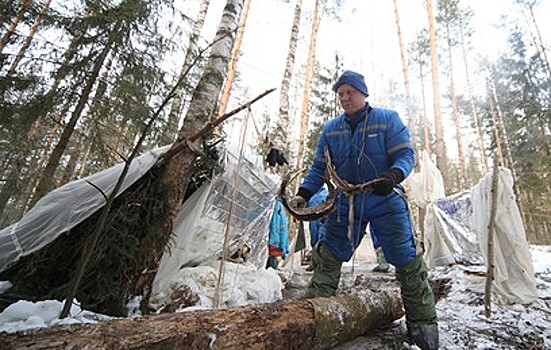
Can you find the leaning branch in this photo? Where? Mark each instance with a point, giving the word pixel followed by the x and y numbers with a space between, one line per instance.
pixel 208 127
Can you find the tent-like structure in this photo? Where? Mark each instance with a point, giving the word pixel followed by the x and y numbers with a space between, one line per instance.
pixel 234 207
pixel 66 207
pixel 457 230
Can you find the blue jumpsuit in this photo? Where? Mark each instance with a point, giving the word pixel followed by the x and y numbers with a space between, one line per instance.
pixel 379 142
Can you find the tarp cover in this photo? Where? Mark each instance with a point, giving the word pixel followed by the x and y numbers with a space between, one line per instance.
pixel 427 185
pixel 456 231
pixel 65 207
pixel 248 193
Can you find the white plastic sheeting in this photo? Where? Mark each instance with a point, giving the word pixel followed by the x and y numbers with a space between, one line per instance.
pixel 449 237
pixel 243 285
pixel 248 193
pixel 427 185
pixel 66 207
pixel 456 231
pixel 514 273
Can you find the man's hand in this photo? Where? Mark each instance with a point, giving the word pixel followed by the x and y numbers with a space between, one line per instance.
pixel 297 202
pixel 389 180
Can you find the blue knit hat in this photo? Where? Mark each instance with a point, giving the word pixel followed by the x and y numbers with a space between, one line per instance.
pixel 356 80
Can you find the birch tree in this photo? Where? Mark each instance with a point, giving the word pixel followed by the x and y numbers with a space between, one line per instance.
pixel 202 109
pixel 191 53
pixel 281 134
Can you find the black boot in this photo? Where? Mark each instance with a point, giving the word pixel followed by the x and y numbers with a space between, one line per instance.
pixel 419 304
pixel 424 335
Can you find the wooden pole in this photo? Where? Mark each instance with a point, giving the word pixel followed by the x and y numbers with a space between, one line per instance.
pixel 491 227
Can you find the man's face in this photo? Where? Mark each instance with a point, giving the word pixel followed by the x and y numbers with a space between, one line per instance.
pixel 351 99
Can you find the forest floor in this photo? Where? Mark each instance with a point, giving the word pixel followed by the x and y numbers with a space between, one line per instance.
pixel 461 311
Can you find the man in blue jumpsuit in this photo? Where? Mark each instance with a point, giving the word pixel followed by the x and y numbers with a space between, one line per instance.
pixel 368 143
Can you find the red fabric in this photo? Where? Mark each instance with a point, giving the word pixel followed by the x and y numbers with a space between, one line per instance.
pixel 273 250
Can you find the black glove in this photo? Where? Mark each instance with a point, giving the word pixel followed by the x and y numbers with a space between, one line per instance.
pixel 275 156
pixel 390 179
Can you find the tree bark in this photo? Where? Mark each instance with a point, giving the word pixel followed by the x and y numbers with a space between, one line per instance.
pixel 303 324
pixel 25 4
pixel 441 158
pixel 306 88
pixel 233 62
pixel 476 119
pixel 178 170
pixel 405 72
pixel 281 135
pixel 45 183
pixel 29 37
pixel 456 118
pixel 191 53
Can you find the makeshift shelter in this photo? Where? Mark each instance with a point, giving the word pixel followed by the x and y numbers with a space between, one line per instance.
pixel 236 207
pixel 457 230
pixel 65 207
pixel 242 189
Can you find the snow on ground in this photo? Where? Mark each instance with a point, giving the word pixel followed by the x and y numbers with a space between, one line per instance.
pixel 462 320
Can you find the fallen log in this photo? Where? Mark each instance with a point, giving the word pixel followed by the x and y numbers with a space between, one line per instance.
pixel 303 324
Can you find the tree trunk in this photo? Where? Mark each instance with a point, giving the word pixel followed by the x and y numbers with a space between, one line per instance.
pixel 441 158
pixel 281 135
pixel 234 57
pixel 303 324
pixel 191 52
pixel 476 119
pixel 45 183
pixel 178 170
pixel 490 258
pixel 540 44
pixel 306 88
pixel 460 154
pixel 405 73
pixel 426 127
pixel 29 37
pixel 495 129
pixel 508 153
pixel 14 23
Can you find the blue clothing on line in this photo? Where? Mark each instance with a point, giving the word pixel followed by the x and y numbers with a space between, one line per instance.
pixel 279 229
